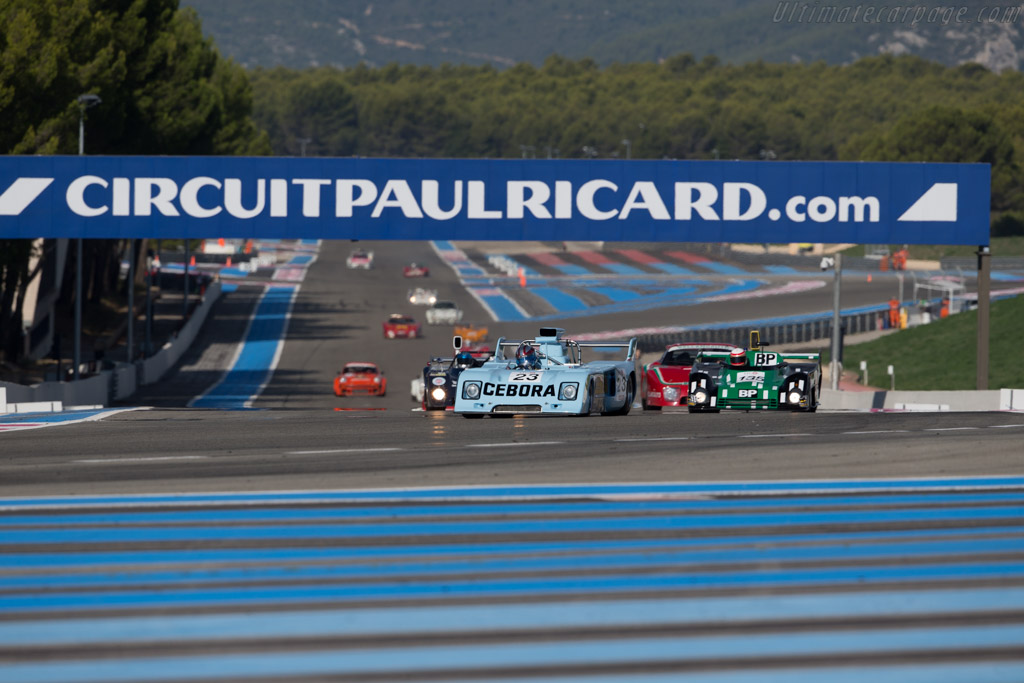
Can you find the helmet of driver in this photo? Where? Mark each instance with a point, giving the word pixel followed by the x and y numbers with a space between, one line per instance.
pixel 738 358
pixel 464 359
pixel 526 357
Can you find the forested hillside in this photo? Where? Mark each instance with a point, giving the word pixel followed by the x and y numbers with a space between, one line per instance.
pixel 879 108
pixel 162 89
pixel 343 33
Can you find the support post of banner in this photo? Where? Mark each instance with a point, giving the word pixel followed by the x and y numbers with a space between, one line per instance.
pixel 984 255
pixel 147 349
pixel 184 291
pixel 131 299
pixel 78 309
pixel 834 366
pixel 78 259
pixel 84 102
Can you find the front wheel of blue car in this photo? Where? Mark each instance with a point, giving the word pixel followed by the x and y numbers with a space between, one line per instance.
pixel 590 400
pixel 630 395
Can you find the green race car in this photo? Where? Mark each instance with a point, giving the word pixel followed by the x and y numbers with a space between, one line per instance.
pixel 754 379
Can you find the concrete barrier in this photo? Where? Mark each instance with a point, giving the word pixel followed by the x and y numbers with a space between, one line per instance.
pixel 1011 399
pixel 930 401
pixel 109 385
pixel 38 407
pixel 156 366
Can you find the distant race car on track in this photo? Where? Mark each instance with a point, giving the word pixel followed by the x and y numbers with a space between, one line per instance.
pixel 441 376
pixel 549 375
pixel 422 297
pixel 360 378
pixel 471 333
pixel 360 259
pixel 415 270
pixel 478 349
pixel 398 325
pixel 755 379
pixel 444 313
pixel 666 380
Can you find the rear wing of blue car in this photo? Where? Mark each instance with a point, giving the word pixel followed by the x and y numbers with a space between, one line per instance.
pixel 573 348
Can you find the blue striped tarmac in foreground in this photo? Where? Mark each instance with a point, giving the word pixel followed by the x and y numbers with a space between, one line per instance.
pixel 840 581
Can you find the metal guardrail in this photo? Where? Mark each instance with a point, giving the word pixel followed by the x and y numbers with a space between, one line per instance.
pixel 971 263
pixel 786 331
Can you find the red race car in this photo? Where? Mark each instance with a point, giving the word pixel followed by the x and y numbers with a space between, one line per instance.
pixel 415 270
pixel 477 349
pixel 398 325
pixel 360 378
pixel 666 381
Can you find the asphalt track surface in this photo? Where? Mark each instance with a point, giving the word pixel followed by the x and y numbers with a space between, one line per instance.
pixel 191 450
pixel 338 315
pixel 358 540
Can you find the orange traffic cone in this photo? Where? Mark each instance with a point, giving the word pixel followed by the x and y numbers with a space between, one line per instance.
pixel 229 261
pixel 192 262
pixel 522 277
pixel 869 277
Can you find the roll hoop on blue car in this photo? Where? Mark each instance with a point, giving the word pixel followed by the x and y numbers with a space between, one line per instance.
pixel 548 375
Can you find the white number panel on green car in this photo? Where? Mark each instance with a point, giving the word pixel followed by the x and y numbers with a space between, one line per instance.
pixel 551 374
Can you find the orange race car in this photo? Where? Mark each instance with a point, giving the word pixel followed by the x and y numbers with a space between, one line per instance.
pixel 471 333
pixel 360 378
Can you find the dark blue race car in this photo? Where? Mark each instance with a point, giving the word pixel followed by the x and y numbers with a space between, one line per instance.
pixel 441 376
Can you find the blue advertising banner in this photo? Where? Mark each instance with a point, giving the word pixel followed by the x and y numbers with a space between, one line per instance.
pixel 494 199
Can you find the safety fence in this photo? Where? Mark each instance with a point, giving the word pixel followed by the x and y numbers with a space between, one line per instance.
pixel 794 330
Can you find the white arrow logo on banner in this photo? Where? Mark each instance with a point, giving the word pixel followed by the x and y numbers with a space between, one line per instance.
pixel 20 194
pixel 937 204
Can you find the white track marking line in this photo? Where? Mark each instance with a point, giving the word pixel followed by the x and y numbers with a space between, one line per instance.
pixel 768 436
pixel 156 458
pixel 881 431
pixel 514 443
pixel 280 342
pixel 16 426
pixel 948 429
pixel 658 438
pixel 1004 426
pixel 344 450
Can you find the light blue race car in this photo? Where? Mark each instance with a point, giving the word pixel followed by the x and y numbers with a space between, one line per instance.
pixel 548 375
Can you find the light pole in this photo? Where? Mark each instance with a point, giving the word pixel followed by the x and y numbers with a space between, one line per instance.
pixel 629 147
pixel 85 101
pixel 836 367
pixel 302 144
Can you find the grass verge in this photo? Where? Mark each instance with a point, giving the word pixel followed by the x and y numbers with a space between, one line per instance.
pixel 943 355
pixel 1001 247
